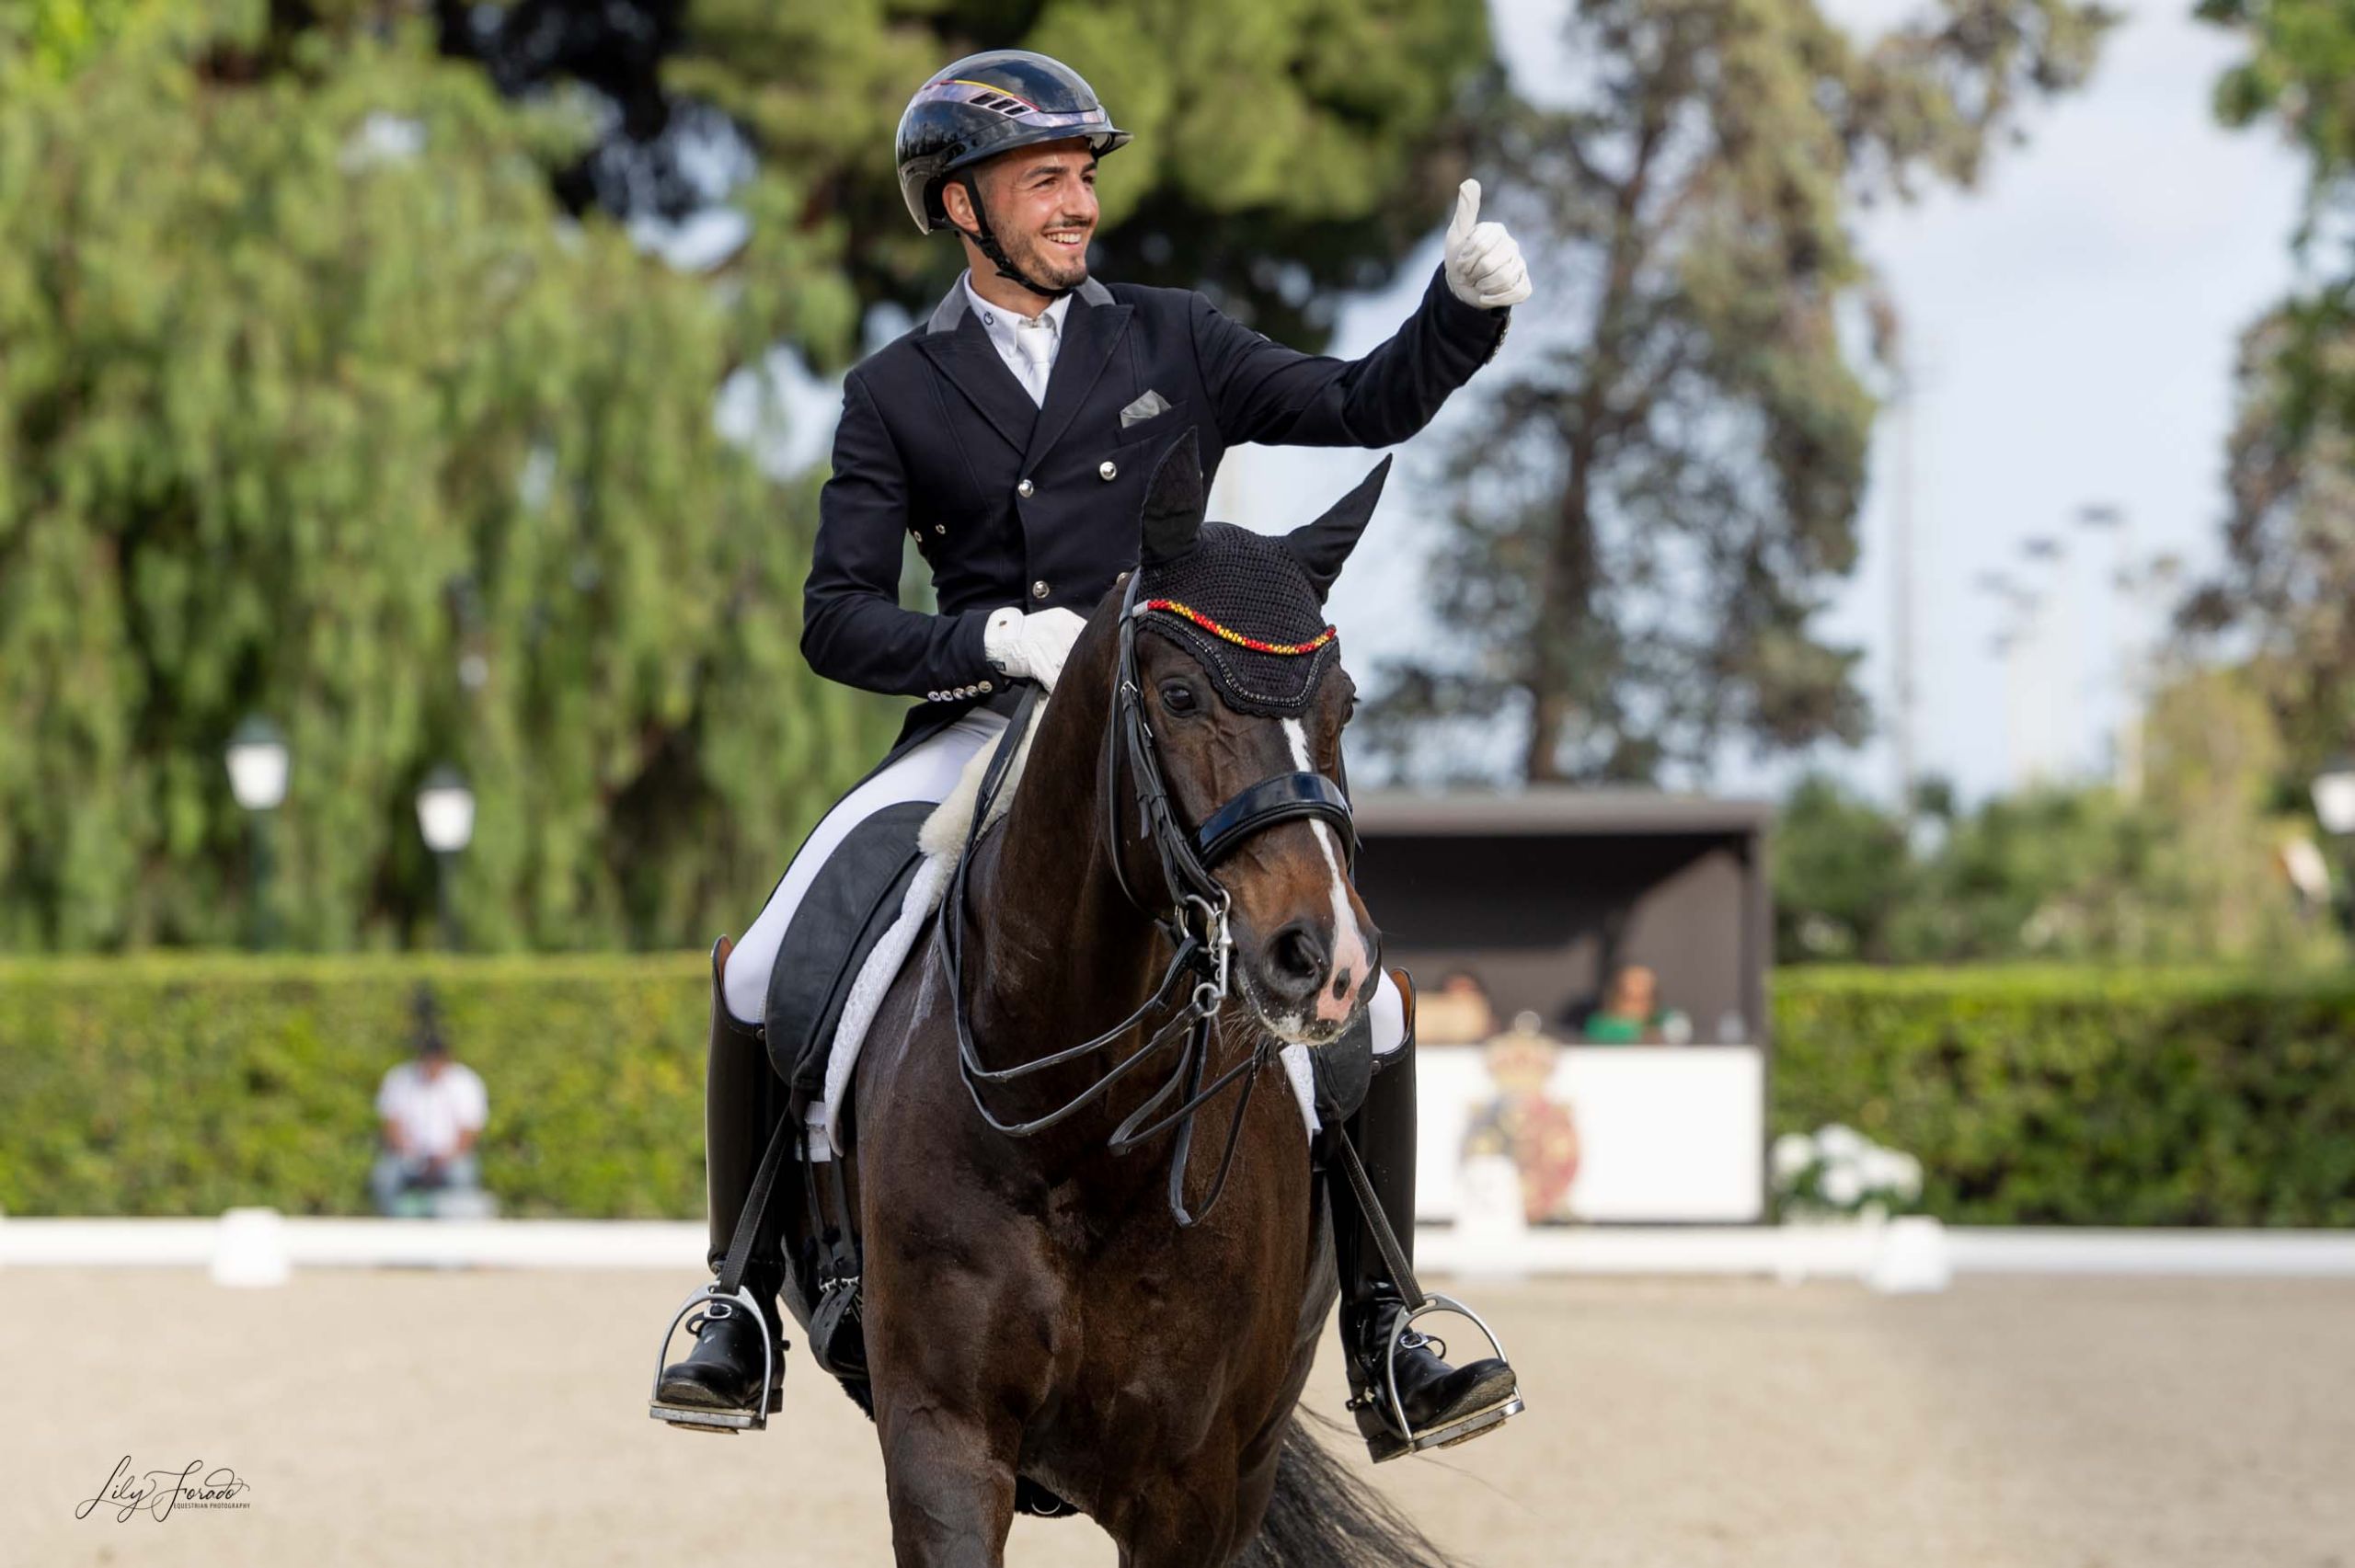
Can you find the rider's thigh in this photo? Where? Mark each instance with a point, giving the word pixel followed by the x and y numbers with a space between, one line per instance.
pixel 928 771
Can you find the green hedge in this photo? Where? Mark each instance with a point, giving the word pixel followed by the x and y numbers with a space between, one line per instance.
pixel 2078 1096
pixel 182 1085
pixel 186 1085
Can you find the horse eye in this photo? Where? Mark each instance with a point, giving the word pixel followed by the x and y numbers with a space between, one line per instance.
pixel 1177 696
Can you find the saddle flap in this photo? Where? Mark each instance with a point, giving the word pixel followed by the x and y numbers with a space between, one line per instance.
pixel 851 903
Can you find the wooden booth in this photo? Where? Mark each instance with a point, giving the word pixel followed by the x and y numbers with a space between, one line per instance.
pixel 1516 913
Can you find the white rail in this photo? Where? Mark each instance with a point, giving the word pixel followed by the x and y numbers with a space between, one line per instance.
pixel 261 1247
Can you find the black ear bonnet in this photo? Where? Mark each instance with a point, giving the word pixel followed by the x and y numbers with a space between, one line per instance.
pixel 1249 607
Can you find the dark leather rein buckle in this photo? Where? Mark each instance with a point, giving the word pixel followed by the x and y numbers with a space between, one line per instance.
pixel 1273 800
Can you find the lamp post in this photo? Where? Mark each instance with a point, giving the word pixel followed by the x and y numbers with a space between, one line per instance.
pixel 259 763
pixel 445 816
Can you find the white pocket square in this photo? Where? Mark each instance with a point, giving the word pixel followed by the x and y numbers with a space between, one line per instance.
pixel 1143 408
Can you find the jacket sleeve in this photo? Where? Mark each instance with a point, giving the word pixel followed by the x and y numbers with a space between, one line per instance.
pixel 1264 392
pixel 853 627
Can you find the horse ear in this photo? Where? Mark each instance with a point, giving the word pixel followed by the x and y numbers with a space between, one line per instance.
pixel 1321 547
pixel 1173 501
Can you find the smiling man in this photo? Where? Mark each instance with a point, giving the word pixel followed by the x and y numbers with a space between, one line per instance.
pixel 1011 436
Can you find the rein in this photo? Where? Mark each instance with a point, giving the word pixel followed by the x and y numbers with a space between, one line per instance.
pixel 1196 925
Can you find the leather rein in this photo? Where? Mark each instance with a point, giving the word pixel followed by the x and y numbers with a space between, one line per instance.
pixel 1194 921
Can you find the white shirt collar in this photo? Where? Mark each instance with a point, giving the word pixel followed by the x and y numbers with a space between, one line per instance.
pixel 1001 323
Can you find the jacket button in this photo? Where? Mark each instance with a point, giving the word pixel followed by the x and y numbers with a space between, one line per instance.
pixel 932 696
pixel 1108 469
pixel 1024 489
pixel 985 686
pixel 940 527
pixel 1038 590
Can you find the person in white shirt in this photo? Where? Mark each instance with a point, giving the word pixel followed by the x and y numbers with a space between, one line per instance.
pixel 432 1110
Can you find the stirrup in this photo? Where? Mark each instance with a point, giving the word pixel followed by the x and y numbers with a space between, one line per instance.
pixel 702 1418
pixel 1463 1429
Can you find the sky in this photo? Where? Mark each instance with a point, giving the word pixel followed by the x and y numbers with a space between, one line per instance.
pixel 2072 325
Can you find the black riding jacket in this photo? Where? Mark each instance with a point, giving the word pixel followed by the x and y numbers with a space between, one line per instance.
pixel 1011 503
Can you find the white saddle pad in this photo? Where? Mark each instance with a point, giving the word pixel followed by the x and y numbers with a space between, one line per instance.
pixel 942 839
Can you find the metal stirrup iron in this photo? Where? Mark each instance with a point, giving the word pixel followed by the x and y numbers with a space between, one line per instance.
pixel 729 1293
pixel 1419 1303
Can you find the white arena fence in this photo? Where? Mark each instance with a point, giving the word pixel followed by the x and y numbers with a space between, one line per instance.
pixel 260 1247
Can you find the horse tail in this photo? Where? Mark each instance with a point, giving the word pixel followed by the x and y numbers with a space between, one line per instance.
pixel 1322 1516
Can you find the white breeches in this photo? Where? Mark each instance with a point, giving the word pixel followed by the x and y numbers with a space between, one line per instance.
pixel 928 771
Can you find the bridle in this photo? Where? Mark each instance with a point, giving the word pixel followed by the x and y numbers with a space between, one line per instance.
pixel 1193 919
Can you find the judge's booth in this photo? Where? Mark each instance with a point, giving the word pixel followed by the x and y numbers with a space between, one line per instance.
pixel 1590 971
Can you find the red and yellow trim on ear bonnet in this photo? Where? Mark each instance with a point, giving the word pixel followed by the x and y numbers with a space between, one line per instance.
pixel 1256 645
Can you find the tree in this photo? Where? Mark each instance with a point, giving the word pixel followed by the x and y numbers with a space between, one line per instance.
pixel 313 403
pixel 1284 150
pixel 1648 518
pixel 1842 872
pixel 2285 597
pixel 309 407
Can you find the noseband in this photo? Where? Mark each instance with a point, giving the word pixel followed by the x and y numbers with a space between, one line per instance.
pixel 1194 918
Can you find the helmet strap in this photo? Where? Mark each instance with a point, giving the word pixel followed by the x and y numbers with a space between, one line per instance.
pixel 987 242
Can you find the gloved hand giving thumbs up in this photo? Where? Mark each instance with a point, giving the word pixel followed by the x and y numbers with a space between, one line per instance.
pixel 1484 264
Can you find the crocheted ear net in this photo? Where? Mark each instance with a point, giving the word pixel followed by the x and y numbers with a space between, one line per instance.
pixel 1242 604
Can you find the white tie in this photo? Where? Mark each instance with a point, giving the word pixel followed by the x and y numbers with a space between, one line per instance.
pixel 1035 339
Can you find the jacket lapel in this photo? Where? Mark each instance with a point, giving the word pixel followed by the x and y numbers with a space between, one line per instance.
pixel 958 343
pixel 1092 329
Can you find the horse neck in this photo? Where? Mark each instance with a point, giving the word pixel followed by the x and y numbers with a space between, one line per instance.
pixel 1065 953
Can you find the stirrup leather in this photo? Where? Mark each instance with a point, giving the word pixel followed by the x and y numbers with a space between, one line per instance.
pixel 701 1418
pixel 1392 1410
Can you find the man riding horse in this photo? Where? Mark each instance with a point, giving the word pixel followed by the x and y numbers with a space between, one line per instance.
pixel 1010 436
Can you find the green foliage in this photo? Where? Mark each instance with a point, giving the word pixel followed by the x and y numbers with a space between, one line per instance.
pixel 2084 1096
pixel 1284 148
pixel 1650 515
pixel 313 404
pixel 2189 871
pixel 1842 871
pixel 186 1085
pixel 2288 577
pixel 308 403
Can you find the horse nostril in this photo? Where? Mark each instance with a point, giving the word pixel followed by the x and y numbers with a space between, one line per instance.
pixel 1341 984
pixel 1296 955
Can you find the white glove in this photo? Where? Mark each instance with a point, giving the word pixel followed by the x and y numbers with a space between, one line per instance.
pixel 1032 645
pixel 1484 264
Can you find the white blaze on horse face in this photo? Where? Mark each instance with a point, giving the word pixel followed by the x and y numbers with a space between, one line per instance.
pixel 1349 940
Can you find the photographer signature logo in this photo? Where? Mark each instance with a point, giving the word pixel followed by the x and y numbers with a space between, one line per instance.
pixel 164 1491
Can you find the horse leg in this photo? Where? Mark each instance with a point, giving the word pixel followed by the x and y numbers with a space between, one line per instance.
pixel 950 1480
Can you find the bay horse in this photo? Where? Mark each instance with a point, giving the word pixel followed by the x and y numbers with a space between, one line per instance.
pixel 1040 1311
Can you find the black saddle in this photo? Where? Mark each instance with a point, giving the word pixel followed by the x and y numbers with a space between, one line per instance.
pixel 853 901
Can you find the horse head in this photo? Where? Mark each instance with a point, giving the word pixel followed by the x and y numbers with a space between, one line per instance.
pixel 1239 686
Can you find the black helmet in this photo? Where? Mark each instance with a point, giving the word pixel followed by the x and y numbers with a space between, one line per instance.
pixel 986 104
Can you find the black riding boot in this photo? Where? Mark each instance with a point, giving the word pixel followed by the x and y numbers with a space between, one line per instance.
pixel 743 1098
pixel 1438 1399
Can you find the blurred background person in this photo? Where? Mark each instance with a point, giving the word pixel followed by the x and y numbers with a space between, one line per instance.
pixel 1456 1012
pixel 430 1110
pixel 1631 1013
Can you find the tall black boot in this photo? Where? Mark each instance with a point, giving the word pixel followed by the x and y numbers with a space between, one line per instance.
pixel 1438 1399
pixel 743 1099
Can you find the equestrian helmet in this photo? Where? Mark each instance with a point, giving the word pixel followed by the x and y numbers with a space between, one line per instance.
pixel 986 104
